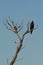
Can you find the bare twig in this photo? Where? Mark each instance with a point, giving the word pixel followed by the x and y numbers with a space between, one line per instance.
pixel 7 24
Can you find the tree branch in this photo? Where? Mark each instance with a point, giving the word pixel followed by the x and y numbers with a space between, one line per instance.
pixel 20 39
pixel 18 48
pixel 17 51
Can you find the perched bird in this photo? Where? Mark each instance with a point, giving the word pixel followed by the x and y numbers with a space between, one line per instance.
pixel 31 26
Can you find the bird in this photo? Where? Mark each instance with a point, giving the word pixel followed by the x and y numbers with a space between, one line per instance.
pixel 31 26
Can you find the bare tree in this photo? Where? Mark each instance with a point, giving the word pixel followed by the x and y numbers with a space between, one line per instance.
pixel 16 30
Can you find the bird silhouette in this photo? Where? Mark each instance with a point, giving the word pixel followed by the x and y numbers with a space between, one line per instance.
pixel 31 26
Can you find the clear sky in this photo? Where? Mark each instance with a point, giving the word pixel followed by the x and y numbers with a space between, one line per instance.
pixel 33 44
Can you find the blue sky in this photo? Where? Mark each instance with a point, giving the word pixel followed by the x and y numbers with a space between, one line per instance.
pixel 33 44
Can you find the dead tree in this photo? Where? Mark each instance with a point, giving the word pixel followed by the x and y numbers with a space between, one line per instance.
pixel 16 30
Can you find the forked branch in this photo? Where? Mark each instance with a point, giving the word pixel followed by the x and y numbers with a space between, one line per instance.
pixel 15 30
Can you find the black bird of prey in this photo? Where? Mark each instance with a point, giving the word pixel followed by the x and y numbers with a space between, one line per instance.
pixel 31 27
